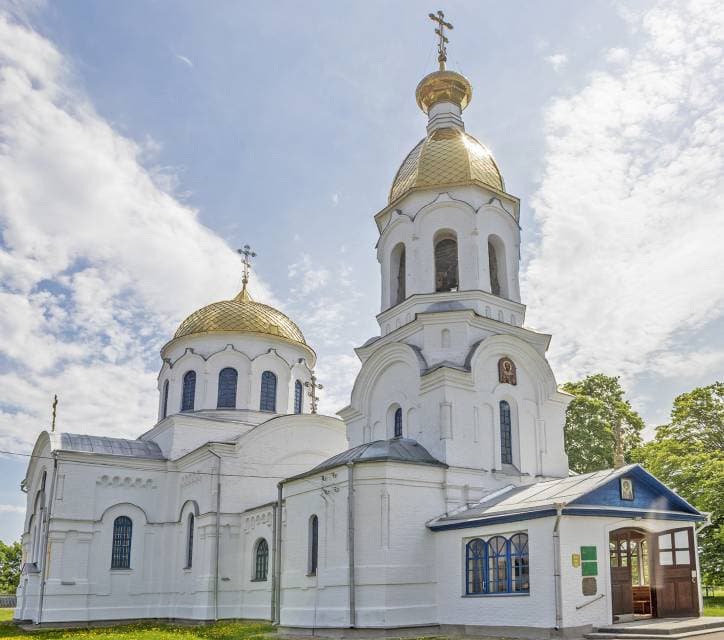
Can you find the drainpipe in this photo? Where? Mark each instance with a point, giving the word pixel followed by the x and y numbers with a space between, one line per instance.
pixel 218 535
pixel 350 543
pixel 277 566
pixel 44 574
pixel 557 566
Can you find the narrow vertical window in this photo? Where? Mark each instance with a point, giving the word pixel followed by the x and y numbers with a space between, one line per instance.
pixel 398 288
pixel 498 565
pixel 475 566
pixel 398 422
pixel 261 560
pixel 121 550
pixel 519 563
pixel 164 401
pixel 268 400
pixel 493 265
pixel 506 438
pixel 188 394
pixel 298 395
pixel 190 542
pixel 446 265
pixel 313 545
pixel 227 388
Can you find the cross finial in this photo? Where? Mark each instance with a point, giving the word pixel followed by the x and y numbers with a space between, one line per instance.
pixel 439 19
pixel 313 388
pixel 55 407
pixel 246 255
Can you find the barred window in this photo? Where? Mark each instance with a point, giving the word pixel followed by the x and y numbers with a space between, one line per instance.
pixel 506 437
pixel 226 398
pixel 398 422
pixel 121 551
pixel 268 401
pixel 298 395
pixel 190 542
pixel 189 391
pixel 261 560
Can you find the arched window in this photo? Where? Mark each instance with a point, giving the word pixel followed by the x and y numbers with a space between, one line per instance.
pixel 268 400
pixel 498 565
pixel 506 437
pixel 298 395
pixel 497 267
pixel 493 265
pixel 313 545
pixel 475 566
pixel 227 388
pixel 398 289
pixel 519 563
pixel 189 391
pixel 261 560
pixel 446 264
pixel 121 550
pixel 190 542
pixel 398 422
pixel 164 402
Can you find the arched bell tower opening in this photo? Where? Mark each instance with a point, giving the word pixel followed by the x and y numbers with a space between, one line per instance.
pixel 447 270
pixel 497 267
pixel 398 284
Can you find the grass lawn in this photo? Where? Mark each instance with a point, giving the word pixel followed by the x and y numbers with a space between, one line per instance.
pixel 714 606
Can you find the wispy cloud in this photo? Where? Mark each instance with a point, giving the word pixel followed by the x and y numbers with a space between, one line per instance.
pixel 557 61
pixel 11 508
pixel 185 60
pixel 631 204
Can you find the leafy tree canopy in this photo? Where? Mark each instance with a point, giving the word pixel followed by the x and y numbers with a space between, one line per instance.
pixel 10 557
pixel 596 410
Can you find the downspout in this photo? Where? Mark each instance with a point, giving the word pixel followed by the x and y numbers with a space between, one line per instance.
pixel 350 543
pixel 218 535
pixel 277 568
pixel 44 574
pixel 557 566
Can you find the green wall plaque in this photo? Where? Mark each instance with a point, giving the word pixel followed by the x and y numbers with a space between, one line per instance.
pixel 588 553
pixel 589 561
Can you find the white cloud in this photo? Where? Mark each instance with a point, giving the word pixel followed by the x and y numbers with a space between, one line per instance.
pixel 11 508
pixel 557 61
pixel 617 55
pixel 631 204
pixel 335 199
pixel 185 60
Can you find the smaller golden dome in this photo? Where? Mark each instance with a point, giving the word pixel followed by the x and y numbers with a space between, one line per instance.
pixel 445 158
pixel 243 315
pixel 443 86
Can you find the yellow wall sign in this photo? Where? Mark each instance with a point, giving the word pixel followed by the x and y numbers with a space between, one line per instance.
pixel 576 560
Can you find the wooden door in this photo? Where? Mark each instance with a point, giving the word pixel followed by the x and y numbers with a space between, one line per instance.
pixel 621 590
pixel 675 579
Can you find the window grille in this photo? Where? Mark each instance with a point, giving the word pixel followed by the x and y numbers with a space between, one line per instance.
pixel 506 437
pixel 227 389
pixel 121 551
pixel 261 560
pixel 268 400
pixel 189 391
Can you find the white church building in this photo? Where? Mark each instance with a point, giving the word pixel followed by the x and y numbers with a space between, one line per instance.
pixel 439 501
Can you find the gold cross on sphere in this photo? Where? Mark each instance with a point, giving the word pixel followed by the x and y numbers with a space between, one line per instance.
pixel 246 254
pixel 439 19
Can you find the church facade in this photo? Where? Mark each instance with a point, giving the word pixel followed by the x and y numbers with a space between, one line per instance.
pixel 440 500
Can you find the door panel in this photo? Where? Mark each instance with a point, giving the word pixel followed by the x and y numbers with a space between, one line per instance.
pixel 677 593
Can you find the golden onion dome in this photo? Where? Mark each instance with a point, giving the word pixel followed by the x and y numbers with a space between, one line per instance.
pixel 447 157
pixel 241 315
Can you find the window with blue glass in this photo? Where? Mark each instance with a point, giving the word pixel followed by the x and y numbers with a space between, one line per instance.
pixel 298 395
pixel 164 404
pixel 189 391
pixel 506 434
pixel 498 565
pixel 268 400
pixel 398 422
pixel 121 549
pixel 226 398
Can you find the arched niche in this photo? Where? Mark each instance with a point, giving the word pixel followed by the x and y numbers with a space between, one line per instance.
pixel 446 261
pixel 398 275
pixel 497 267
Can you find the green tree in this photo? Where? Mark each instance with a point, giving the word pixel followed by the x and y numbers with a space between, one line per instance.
pixel 593 414
pixel 688 455
pixel 10 558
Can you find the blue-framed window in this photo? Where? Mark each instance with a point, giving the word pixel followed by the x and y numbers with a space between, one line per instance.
pixel 189 391
pixel 398 422
pixel 226 398
pixel 268 401
pixel 261 560
pixel 298 395
pixel 164 404
pixel 497 565
pixel 190 542
pixel 121 549
pixel 506 434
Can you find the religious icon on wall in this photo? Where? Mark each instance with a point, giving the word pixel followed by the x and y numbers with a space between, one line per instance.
pixel 627 490
pixel 506 371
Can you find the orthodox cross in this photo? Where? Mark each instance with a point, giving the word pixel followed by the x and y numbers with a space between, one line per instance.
pixel 246 255
pixel 313 388
pixel 55 407
pixel 439 19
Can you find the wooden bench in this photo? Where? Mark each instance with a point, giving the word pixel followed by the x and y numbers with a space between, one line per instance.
pixel 641 600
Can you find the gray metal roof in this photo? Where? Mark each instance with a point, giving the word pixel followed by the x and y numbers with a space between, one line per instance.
pixel 392 450
pixel 107 446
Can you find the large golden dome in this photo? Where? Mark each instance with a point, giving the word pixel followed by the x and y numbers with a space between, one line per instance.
pixel 241 314
pixel 446 157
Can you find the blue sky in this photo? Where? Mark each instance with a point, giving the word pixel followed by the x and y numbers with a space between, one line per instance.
pixel 143 141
